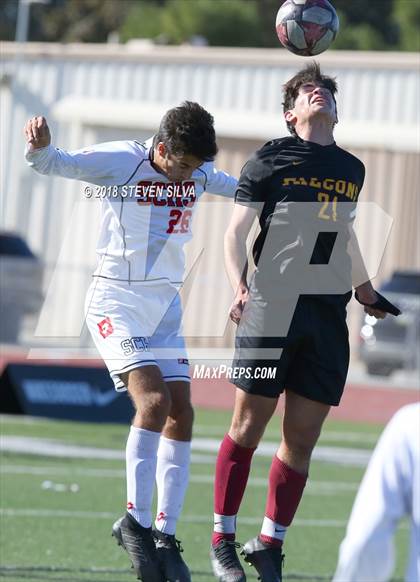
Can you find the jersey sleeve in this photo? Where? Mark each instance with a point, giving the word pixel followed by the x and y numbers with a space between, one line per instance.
pixel 218 182
pixel 251 185
pixel 110 163
pixel 367 552
pixel 359 178
pixel 359 173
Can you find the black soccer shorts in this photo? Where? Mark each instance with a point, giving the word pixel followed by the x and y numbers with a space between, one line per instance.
pixel 313 358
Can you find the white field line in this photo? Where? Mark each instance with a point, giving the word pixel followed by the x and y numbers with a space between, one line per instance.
pixel 337 455
pixel 349 437
pixel 326 435
pixel 54 448
pixel 313 487
pixel 20 419
pixel 48 513
pixel 218 430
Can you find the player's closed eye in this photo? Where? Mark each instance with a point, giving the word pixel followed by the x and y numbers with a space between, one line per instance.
pixel 307 88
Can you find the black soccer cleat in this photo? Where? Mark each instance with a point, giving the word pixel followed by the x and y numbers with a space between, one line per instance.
pixel 266 559
pixel 139 544
pixel 116 531
pixel 168 550
pixel 225 562
pixel 381 303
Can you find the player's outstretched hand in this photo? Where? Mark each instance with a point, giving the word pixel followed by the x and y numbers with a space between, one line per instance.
pixel 238 305
pixel 380 307
pixel 37 133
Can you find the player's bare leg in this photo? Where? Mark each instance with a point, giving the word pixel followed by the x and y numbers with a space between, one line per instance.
pixel 172 476
pixel 302 423
pixel 179 423
pixel 151 400
pixel 150 396
pixel 250 417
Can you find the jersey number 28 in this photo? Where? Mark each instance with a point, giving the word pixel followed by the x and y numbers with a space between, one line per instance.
pixel 179 221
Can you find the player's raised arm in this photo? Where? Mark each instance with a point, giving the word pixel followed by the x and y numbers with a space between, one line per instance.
pixel 236 256
pixel 105 164
pixel 37 133
pixel 219 182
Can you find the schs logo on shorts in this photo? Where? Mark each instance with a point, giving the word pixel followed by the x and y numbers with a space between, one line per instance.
pixel 105 327
pixel 183 361
pixel 135 344
pixel 130 505
pixel 160 516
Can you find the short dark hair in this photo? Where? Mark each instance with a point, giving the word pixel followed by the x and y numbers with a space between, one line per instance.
pixel 188 130
pixel 310 74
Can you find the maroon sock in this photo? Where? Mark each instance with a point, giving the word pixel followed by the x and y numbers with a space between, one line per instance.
pixel 285 490
pixel 232 470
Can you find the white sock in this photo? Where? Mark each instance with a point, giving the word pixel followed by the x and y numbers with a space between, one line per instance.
pixel 271 529
pixel 172 476
pixel 141 459
pixel 225 524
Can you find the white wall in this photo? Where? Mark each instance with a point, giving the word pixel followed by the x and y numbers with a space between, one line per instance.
pixel 96 93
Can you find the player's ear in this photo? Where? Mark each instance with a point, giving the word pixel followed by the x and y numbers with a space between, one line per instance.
pixel 161 149
pixel 290 117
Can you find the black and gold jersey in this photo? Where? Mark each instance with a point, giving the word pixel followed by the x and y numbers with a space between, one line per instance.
pixel 306 197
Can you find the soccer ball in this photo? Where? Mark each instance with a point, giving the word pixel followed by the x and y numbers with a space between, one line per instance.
pixel 306 27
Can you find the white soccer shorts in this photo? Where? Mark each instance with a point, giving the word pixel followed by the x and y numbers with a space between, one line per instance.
pixel 135 325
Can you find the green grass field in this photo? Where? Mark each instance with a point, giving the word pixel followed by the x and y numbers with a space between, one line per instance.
pixel 49 535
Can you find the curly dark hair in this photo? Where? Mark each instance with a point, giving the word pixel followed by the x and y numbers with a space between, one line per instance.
pixel 310 74
pixel 188 130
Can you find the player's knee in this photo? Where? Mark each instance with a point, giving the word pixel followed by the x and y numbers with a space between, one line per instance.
pixel 300 451
pixel 246 432
pixel 155 405
pixel 301 443
pixel 181 415
pixel 179 423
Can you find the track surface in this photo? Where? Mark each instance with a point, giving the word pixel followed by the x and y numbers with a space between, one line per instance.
pixel 360 402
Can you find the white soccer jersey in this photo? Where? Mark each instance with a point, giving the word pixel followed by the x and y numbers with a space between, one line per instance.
pixel 146 218
pixel 389 491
